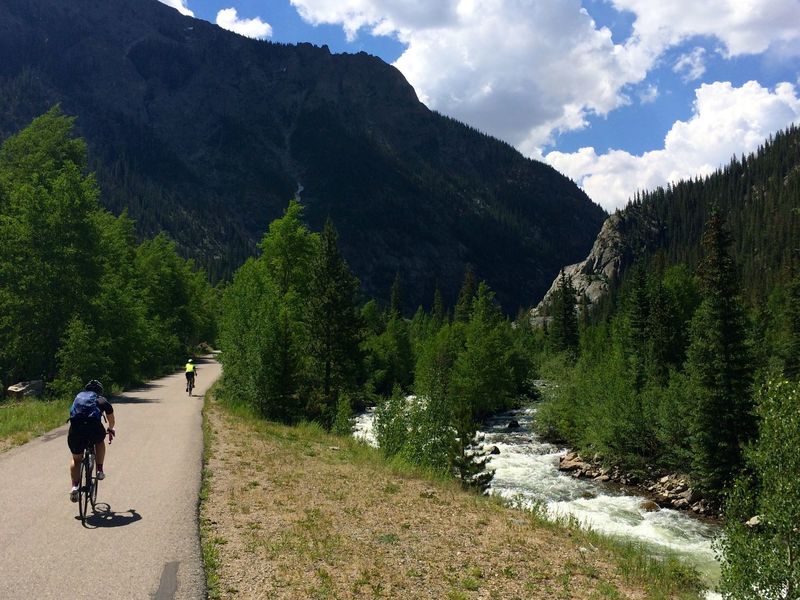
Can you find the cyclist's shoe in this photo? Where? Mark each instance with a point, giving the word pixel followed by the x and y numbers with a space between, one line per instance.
pixel 101 475
pixel 73 493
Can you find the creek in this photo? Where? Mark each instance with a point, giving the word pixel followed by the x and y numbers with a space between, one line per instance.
pixel 527 475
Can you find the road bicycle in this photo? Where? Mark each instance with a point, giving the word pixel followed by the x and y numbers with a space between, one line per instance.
pixel 190 385
pixel 87 490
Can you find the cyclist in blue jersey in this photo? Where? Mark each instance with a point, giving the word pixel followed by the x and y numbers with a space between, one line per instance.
pixel 86 427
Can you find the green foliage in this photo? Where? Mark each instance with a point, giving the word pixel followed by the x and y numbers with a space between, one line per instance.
pixel 81 353
pixel 334 328
pixel 465 296
pixel 291 329
pixel 720 368
pixel 83 300
pixel 389 358
pixel 392 423
pixel 464 372
pixel 762 560
pixel 343 421
pixel 563 330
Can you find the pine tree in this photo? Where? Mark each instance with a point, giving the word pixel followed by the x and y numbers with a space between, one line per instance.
pixel 437 312
pixel 466 296
pixel 638 317
pixel 719 365
pixel 334 325
pixel 792 352
pixel 396 297
pixel 563 330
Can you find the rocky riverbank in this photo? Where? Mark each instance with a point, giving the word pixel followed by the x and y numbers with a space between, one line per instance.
pixel 666 491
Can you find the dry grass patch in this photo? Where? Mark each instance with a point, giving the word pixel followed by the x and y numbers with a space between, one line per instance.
pixel 296 513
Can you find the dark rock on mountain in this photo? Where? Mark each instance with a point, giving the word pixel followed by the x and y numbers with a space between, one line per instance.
pixel 207 135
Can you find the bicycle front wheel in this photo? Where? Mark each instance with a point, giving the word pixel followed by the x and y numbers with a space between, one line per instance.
pixel 95 482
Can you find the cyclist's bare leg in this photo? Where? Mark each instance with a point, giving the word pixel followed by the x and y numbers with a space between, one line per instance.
pixel 100 451
pixel 74 468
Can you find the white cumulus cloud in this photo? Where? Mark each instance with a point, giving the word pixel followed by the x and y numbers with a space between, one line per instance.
pixel 726 121
pixel 180 6
pixel 228 19
pixel 517 69
pixel 743 26
pixel 523 70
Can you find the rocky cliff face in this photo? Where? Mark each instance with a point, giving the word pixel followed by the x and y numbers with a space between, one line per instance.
pixel 207 135
pixel 613 250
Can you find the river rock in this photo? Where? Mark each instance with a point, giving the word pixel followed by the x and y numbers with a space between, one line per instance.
pixel 570 462
pixel 513 424
pixel 692 496
pixel 680 503
pixel 493 450
pixel 649 506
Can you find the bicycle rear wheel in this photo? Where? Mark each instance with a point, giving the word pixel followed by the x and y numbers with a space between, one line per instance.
pixel 85 490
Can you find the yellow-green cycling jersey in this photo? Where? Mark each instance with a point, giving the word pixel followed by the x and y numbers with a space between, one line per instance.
pixel 190 367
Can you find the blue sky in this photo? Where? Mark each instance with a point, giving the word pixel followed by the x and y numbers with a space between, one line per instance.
pixel 619 95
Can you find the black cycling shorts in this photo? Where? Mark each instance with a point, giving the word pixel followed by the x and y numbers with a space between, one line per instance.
pixel 189 374
pixel 82 433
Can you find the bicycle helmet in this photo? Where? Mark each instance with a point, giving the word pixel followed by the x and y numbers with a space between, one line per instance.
pixel 190 360
pixel 94 386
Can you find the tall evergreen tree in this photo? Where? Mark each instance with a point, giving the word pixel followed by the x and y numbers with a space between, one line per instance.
pixel 466 296
pixel 792 352
pixel 437 311
pixel 719 365
pixel 334 326
pixel 563 330
pixel 396 296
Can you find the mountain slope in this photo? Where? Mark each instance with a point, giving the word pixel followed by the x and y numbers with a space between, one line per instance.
pixel 759 196
pixel 207 134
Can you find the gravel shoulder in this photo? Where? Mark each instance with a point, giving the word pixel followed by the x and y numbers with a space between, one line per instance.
pixel 295 513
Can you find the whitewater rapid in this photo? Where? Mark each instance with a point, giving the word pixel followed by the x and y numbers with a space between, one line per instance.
pixel 527 475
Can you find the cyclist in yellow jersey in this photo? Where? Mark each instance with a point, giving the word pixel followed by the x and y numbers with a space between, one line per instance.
pixel 191 372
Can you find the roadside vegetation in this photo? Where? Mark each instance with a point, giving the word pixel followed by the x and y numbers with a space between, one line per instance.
pixel 81 298
pixel 24 420
pixel 297 512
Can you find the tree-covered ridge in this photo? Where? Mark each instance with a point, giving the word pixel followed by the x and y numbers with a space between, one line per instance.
pixel 759 196
pixel 80 298
pixel 204 134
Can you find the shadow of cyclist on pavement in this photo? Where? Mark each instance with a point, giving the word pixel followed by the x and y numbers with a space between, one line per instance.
pixel 103 516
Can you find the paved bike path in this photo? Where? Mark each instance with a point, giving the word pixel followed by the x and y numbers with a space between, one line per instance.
pixel 146 545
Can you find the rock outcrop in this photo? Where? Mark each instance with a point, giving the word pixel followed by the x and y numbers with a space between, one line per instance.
pixel 668 491
pixel 621 237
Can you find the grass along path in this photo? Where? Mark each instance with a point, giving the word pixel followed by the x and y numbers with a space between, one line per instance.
pixel 291 512
pixel 23 420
